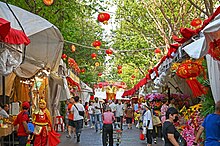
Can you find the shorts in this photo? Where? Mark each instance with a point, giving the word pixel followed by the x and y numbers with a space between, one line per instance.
pixel 71 123
pixel 129 120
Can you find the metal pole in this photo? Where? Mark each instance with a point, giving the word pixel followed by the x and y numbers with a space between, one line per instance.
pixel 3 89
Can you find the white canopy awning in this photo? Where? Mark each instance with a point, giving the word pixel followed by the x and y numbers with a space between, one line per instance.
pixel 46 44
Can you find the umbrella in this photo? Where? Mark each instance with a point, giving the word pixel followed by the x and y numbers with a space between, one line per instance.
pixel 46 44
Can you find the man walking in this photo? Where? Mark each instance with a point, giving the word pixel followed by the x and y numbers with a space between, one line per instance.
pixel 78 112
pixel 119 113
pixel 98 114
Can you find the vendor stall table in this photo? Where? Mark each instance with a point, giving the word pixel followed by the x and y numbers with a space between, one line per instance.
pixel 7 131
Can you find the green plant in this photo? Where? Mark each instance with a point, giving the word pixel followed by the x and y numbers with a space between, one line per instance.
pixel 208 104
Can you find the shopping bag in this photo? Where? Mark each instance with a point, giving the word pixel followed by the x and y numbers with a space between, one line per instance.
pixel 144 130
pixel 156 120
pixel 142 136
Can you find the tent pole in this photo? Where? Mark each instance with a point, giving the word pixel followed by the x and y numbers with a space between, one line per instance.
pixel 3 89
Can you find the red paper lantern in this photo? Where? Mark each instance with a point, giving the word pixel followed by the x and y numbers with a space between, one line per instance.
pixel 157 51
pixel 119 67
pixel 119 71
pixel 73 48
pixel 214 49
pixel 64 56
pixel 196 22
pixel 133 77
pixel 72 62
pixel 93 55
pixel 97 44
pixel 48 2
pixel 103 17
pixel 109 52
pixel 83 70
pixel 189 71
pixel 100 74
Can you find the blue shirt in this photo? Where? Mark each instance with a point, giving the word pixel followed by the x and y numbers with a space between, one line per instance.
pixel 212 130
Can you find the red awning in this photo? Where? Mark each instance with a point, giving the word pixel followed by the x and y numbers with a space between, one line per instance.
pixel 72 82
pixel 10 35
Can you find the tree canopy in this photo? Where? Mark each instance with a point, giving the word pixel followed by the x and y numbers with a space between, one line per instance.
pixel 141 26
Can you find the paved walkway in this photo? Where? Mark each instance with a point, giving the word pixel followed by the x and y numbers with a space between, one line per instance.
pixel 130 137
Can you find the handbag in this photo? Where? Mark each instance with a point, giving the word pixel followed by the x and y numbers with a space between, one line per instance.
pixel 156 120
pixel 181 141
pixel 142 136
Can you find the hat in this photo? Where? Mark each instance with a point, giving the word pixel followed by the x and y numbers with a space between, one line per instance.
pixel 26 105
pixel 145 105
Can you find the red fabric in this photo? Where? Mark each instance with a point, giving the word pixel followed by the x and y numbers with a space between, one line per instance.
pixel 4 28
pixel 53 138
pixel 22 116
pixel 196 87
pixel 16 37
pixel 187 33
pixel 214 49
pixel 41 139
pixel 41 118
pixel 72 82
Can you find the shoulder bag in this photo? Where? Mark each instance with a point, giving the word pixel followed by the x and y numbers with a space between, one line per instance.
pixel 81 113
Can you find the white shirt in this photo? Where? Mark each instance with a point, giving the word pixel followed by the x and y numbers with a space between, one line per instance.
pixel 99 105
pixel 148 116
pixel 76 113
pixel 3 113
pixel 119 110
pixel 91 109
pixel 113 107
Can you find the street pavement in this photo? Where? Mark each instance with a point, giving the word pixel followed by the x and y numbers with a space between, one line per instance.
pixel 130 137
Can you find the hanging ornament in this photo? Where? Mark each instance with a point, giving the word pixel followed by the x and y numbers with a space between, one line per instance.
pixel 97 64
pixel 97 44
pixel 109 52
pixel 100 86
pixel 133 77
pixel 71 62
pixel 196 22
pixel 103 17
pixel 73 48
pixel 214 49
pixel 189 71
pixel 119 67
pixel 93 55
pixel 157 51
pixel 83 70
pixel 64 56
pixel 100 74
pixel 119 71
pixel 48 2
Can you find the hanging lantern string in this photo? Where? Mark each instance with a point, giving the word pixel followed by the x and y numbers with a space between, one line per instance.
pixel 115 50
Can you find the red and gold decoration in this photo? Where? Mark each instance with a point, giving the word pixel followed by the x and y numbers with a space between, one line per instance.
pixel 64 56
pixel 196 22
pixel 189 70
pixel 103 17
pixel 109 52
pixel 48 2
pixel 72 63
pixel 119 67
pixel 214 49
pixel 157 51
pixel 100 74
pixel 93 55
pixel 83 70
pixel 73 48
pixel 97 44
pixel 97 64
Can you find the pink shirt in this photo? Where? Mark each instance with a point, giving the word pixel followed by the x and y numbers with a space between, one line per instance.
pixel 108 117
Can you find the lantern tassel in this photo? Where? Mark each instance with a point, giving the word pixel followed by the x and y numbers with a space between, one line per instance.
pixel 105 22
pixel 196 87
